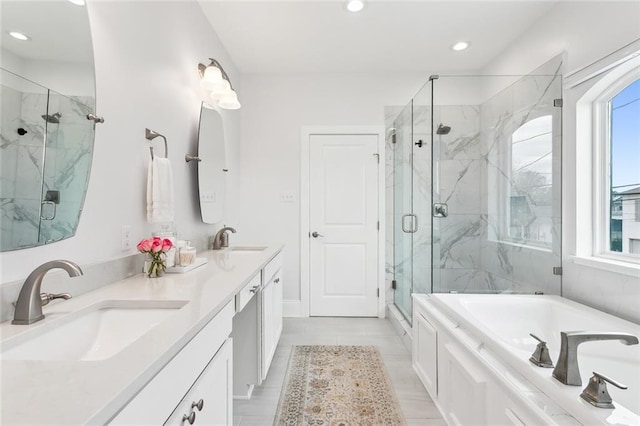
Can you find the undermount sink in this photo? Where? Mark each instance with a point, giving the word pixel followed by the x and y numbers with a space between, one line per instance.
pixel 95 333
pixel 246 249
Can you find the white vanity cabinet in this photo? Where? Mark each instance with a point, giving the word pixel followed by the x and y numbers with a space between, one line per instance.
pixel 201 370
pixel 257 327
pixel 210 399
pixel 271 306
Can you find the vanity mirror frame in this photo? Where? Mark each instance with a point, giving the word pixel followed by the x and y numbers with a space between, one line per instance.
pixel 212 167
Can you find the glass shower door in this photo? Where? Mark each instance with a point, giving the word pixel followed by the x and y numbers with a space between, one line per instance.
pixel 402 211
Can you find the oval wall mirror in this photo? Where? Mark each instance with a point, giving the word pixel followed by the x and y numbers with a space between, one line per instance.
pixel 47 87
pixel 212 167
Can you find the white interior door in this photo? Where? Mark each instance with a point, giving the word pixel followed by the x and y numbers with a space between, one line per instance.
pixel 343 219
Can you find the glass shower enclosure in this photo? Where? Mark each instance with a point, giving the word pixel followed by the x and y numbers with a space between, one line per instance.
pixel 477 186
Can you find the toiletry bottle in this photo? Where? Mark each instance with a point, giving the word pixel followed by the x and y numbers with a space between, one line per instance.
pixel 187 254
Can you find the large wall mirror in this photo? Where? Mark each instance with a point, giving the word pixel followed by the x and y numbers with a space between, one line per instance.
pixel 47 88
pixel 212 165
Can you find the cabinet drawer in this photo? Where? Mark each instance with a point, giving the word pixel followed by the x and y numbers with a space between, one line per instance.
pixel 157 400
pixel 271 268
pixel 243 297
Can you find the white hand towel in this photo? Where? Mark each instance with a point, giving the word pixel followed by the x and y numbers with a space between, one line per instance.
pixel 159 191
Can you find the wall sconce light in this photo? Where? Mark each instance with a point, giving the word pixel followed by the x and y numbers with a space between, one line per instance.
pixel 217 85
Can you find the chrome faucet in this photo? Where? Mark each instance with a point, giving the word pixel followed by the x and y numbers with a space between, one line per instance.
pixel 29 304
pixel 221 239
pixel 567 370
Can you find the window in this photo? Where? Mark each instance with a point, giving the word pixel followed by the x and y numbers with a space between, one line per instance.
pixel 530 184
pixel 622 168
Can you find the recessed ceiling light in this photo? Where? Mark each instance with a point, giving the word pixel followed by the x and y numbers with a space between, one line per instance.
pixel 19 36
pixel 355 5
pixel 77 2
pixel 461 45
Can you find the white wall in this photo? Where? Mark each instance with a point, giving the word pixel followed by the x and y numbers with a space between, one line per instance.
pixel 586 32
pixel 146 56
pixel 274 109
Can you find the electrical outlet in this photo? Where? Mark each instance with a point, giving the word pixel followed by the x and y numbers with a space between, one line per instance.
pixel 287 197
pixel 125 240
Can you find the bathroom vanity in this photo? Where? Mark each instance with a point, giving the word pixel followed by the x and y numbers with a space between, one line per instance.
pixel 147 351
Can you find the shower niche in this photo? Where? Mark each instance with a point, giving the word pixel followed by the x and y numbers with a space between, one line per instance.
pixel 475 177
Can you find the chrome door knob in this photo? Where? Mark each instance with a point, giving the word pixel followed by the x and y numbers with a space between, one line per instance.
pixel 314 234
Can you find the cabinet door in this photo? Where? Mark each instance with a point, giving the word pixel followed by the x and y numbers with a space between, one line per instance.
pixel 268 333
pixel 214 387
pixel 425 352
pixel 277 309
pixel 462 387
pixel 271 320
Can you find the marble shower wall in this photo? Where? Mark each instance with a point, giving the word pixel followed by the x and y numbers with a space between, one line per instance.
pixel 456 238
pixel 27 175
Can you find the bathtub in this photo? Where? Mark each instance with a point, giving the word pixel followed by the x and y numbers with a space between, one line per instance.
pixel 502 323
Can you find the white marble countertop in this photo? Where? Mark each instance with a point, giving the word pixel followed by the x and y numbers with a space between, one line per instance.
pixel 92 392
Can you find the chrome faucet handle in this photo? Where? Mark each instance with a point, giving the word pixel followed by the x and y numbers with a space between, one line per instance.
pixel 596 392
pixel 48 297
pixel 541 356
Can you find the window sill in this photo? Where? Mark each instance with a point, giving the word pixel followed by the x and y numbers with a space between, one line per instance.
pixel 610 265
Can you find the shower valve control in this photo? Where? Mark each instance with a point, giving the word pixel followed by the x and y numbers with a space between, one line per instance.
pixel 440 210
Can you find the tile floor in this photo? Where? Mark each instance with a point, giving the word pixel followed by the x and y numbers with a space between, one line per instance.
pixel 417 407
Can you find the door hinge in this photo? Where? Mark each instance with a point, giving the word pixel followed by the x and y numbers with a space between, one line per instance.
pixel 378 293
pixel 378 225
pixel 557 103
pixel 394 284
pixel 557 270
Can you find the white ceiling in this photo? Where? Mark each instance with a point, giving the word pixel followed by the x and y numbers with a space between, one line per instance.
pixel 59 30
pixel 387 36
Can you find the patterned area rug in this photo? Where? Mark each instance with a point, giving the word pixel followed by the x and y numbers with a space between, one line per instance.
pixel 337 386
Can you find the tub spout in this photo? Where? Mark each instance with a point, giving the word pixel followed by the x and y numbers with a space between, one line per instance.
pixel 567 370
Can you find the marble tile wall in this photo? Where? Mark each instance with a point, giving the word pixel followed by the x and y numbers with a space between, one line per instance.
pixel 68 160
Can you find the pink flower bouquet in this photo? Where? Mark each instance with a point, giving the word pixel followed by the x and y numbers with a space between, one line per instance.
pixel 155 248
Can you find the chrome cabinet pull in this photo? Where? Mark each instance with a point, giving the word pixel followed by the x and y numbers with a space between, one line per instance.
pixel 191 418
pixel 199 405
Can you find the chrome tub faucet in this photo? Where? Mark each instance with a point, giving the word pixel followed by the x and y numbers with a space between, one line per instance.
pixel 566 370
pixel 30 301
pixel 221 239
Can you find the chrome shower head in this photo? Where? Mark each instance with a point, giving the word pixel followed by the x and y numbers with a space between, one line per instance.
pixel 54 118
pixel 442 129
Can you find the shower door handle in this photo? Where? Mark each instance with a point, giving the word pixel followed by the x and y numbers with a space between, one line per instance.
pixel 414 223
pixel 53 214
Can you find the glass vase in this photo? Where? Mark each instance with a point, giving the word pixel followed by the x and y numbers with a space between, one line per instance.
pixel 154 268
